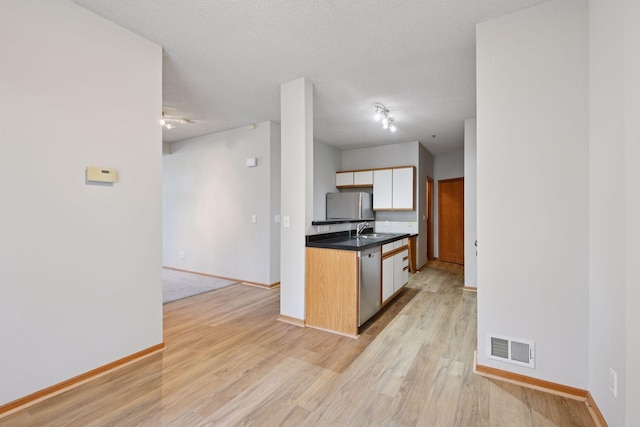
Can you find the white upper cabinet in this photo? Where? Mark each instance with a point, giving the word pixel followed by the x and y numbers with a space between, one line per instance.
pixel 363 178
pixel 393 189
pixel 382 189
pixel 403 194
pixel 344 179
pixel 354 179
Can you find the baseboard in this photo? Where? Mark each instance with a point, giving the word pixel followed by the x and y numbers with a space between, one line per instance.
pixel 344 334
pixel 595 411
pixel 262 285
pixel 470 289
pixel 291 320
pixel 544 386
pixel 232 279
pixel 530 382
pixel 60 388
pixel 202 274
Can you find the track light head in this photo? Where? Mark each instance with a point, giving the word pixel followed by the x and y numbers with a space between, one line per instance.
pixel 170 122
pixel 382 116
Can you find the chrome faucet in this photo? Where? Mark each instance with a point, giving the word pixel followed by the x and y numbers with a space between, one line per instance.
pixel 360 228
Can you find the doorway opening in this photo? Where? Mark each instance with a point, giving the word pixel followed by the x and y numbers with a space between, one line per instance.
pixel 451 220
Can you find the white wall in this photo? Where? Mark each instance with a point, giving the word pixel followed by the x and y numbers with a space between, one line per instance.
pixel 326 162
pixel 532 171
pixel 209 198
pixel 425 169
pixel 296 113
pixel 446 166
pixel 631 382
pixel 383 156
pixel 408 153
pixel 79 264
pixel 614 64
pixel 470 204
pixel 274 203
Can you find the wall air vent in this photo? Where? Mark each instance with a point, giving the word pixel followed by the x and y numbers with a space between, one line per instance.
pixel 511 350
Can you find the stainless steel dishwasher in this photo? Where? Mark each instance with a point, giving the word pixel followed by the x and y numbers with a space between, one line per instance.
pixel 369 287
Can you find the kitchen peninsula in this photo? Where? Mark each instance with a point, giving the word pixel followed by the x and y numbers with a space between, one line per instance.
pixel 350 276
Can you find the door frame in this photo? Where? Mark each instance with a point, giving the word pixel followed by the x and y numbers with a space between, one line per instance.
pixel 429 210
pixel 440 213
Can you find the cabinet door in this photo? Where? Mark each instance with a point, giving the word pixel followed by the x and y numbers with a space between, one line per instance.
pixel 405 269
pixel 382 189
pixel 387 278
pixel 400 269
pixel 344 179
pixel 363 178
pixel 397 271
pixel 403 188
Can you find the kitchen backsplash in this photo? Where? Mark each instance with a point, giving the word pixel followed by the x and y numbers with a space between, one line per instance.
pixel 410 227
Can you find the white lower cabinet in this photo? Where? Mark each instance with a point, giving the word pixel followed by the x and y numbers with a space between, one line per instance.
pixel 388 277
pixel 400 269
pixel 395 272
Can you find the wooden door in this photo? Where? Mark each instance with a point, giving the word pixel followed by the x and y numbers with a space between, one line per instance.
pixel 451 220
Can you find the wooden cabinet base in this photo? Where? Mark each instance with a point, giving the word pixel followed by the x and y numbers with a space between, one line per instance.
pixel 331 295
pixel 333 332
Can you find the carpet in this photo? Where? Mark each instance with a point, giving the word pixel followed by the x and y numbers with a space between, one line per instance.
pixel 177 285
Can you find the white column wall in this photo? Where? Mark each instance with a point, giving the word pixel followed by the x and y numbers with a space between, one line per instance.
pixel 470 204
pixel 425 169
pixel 80 264
pixel 631 382
pixel 274 203
pixel 614 207
pixel 296 114
pixel 533 200
pixel 606 206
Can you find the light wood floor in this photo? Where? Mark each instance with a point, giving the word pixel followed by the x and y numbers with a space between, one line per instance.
pixel 230 362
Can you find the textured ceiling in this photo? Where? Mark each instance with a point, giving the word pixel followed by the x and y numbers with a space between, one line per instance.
pixel 224 62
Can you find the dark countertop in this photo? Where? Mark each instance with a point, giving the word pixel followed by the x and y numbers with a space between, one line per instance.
pixel 339 221
pixel 345 241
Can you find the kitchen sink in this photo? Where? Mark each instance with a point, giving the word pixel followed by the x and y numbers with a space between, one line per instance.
pixel 374 236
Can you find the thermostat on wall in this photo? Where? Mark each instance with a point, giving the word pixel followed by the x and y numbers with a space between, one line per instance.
pixel 96 174
pixel 252 162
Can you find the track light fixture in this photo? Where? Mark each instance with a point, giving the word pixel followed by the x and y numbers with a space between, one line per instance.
pixel 382 116
pixel 170 122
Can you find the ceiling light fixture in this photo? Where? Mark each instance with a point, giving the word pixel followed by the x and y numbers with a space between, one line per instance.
pixel 382 116
pixel 170 122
